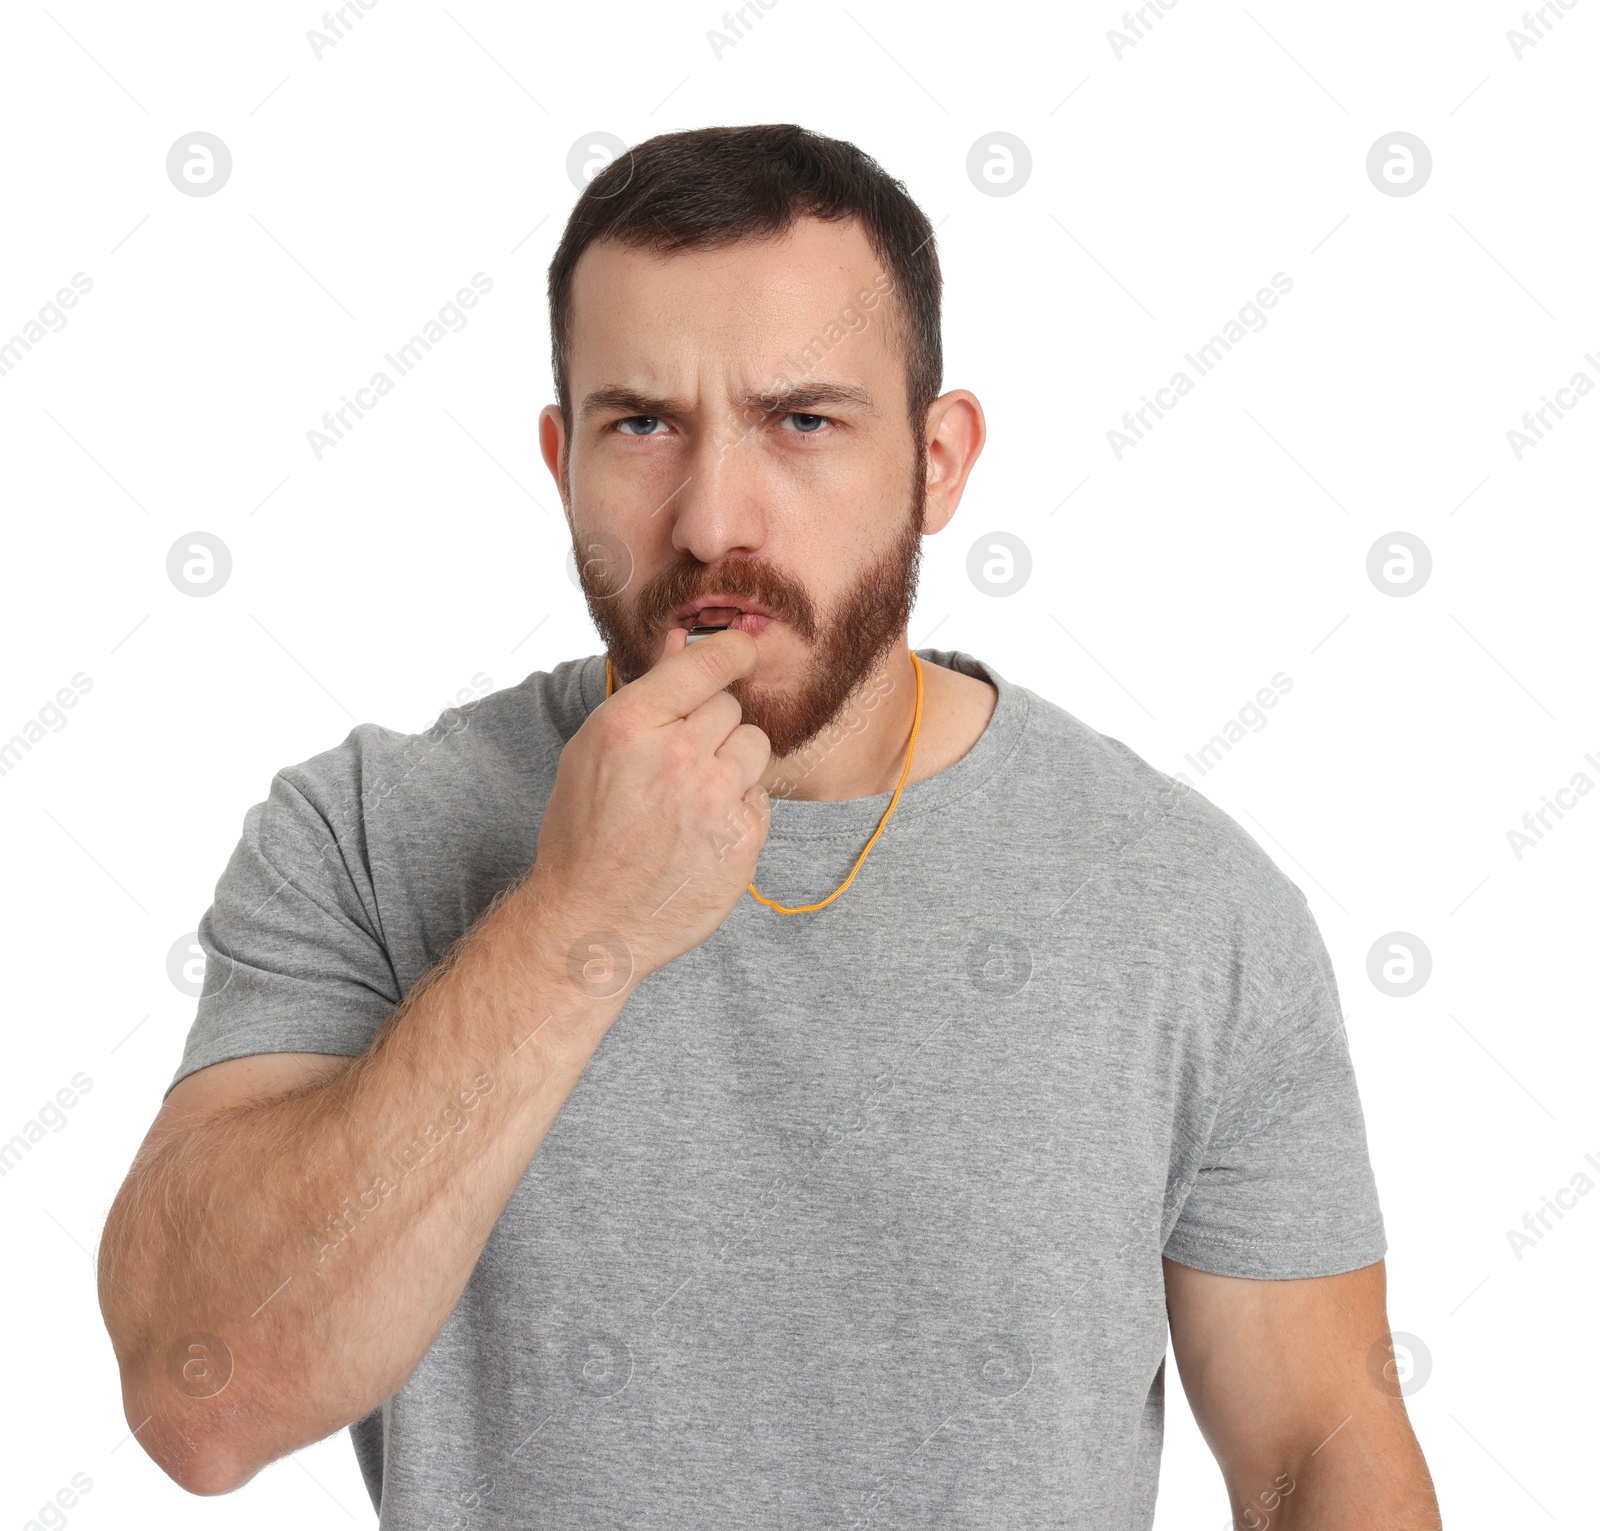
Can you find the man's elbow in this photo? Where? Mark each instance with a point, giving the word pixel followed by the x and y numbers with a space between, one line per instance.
pixel 198 1466
pixel 202 1452
pixel 208 1473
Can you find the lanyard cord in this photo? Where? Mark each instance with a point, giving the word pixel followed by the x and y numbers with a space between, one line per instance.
pixel 888 813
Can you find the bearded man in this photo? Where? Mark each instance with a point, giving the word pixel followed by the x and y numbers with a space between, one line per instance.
pixel 760 1075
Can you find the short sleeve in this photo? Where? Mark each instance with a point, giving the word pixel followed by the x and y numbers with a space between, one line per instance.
pixel 293 958
pixel 1284 1187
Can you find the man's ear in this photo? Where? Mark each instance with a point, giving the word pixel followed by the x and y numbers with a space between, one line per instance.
pixel 955 435
pixel 553 448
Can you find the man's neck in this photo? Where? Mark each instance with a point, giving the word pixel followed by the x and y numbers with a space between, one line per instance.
pixel 863 751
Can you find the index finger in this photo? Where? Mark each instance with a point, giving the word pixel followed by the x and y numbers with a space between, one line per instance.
pixel 687 675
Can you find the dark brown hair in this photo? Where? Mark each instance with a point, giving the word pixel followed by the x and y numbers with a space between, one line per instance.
pixel 717 186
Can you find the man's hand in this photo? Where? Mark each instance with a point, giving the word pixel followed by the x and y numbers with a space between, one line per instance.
pixel 1294 1390
pixel 658 812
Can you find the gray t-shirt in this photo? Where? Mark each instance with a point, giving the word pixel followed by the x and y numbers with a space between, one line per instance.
pixel 856 1217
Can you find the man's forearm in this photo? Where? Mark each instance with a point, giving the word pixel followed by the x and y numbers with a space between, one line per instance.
pixel 277 1269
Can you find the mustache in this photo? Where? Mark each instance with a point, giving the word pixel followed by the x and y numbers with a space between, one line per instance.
pixel 752 579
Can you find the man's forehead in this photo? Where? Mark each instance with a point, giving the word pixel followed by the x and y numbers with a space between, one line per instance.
pixel 813 254
pixel 808 308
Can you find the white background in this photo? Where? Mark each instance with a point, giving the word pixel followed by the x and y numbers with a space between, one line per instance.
pixel 1167 186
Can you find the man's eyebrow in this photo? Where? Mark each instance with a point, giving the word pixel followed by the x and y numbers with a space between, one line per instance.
pixel 800 398
pixel 629 401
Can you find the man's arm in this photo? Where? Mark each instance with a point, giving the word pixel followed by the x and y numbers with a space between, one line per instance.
pixel 272 1269
pixel 275 1266
pixel 1308 1427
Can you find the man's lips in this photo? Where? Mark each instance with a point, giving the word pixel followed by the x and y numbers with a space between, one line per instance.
pixel 724 611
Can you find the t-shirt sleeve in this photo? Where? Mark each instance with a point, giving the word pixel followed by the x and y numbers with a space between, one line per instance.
pixel 293 957
pixel 1284 1187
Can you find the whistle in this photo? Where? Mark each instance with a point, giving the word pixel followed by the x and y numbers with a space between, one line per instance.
pixel 700 631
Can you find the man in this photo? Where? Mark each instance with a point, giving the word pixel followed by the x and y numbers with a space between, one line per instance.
pixel 586 1189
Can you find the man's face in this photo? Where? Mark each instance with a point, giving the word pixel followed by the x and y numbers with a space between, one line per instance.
pixel 740 439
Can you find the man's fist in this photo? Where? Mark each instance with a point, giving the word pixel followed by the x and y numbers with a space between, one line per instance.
pixel 658 815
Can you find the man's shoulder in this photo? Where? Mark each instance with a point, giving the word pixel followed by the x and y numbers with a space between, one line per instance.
pixel 1114 807
pixel 502 744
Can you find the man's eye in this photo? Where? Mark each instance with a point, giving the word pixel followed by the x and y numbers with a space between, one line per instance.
pixel 807 425
pixel 647 422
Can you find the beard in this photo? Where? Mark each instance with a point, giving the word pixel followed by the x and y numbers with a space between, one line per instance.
pixel 847 644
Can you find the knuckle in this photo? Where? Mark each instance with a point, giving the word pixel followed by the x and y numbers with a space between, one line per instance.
pixel 682 750
pixel 728 776
pixel 711 798
pixel 753 738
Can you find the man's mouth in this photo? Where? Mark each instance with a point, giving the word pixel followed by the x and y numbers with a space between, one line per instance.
pixel 721 612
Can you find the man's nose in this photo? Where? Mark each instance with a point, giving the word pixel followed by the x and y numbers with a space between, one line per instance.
pixel 718 508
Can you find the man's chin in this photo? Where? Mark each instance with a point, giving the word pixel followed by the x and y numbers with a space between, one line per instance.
pixel 793 712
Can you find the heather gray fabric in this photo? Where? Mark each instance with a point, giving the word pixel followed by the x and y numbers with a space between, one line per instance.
pixel 856 1217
